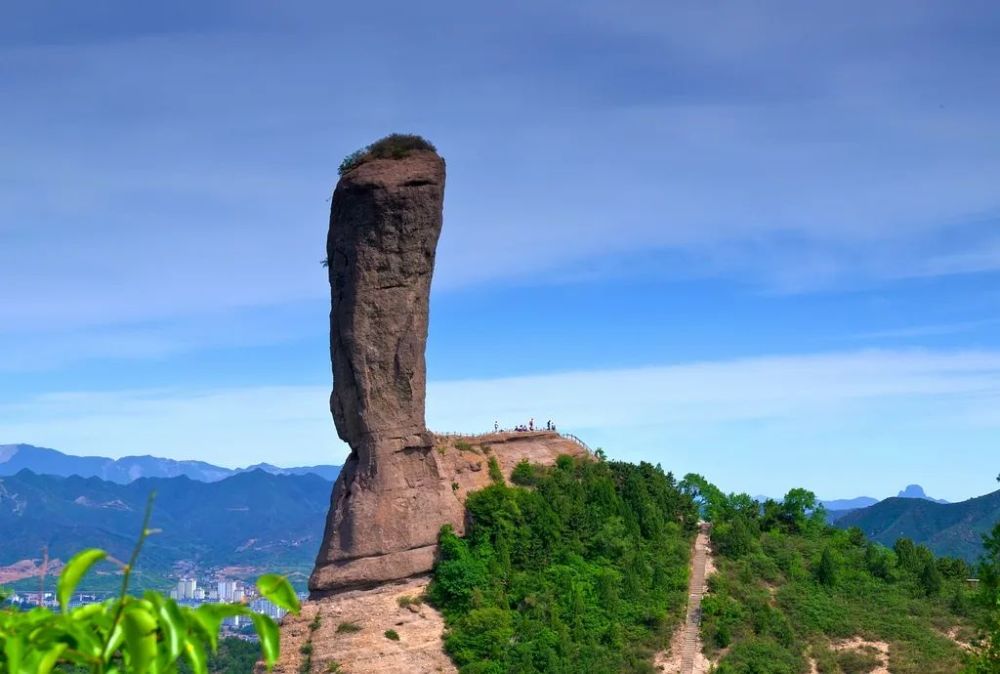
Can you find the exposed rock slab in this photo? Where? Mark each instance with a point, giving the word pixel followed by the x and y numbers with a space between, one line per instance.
pixel 367 650
pixel 463 463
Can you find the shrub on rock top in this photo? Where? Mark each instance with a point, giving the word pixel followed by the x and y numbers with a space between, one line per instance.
pixel 393 146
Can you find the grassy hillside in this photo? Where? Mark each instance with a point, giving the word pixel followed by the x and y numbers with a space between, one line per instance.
pixel 950 529
pixel 790 589
pixel 583 568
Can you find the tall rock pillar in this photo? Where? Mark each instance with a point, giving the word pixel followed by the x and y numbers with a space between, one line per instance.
pixel 391 496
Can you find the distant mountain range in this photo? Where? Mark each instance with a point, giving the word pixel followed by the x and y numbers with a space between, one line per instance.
pixel 248 522
pixel 849 503
pixel 953 529
pixel 15 458
pixel 841 505
pixel 837 508
pixel 911 491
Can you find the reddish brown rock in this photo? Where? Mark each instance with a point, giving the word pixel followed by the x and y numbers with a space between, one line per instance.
pixel 388 502
pixel 400 484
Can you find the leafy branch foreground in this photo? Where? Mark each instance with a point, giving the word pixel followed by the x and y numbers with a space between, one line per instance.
pixel 139 635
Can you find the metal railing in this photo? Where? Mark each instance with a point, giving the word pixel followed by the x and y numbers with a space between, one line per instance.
pixel 568 436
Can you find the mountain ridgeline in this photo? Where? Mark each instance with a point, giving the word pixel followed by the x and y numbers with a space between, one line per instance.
pixel 253 520
pixel 44 461
pixel 947 529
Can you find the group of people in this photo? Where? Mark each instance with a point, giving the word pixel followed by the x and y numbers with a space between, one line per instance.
pixel 523 428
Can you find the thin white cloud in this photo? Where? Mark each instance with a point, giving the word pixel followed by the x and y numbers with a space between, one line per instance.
pixel 162 174
pixel 764 423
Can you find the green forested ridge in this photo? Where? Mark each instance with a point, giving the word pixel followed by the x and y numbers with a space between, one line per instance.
pixel 788 586
pixel 950 529
pixel 582 570
pixel 253 519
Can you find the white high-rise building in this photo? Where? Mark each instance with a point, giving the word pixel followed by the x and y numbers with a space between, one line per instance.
pixel 267 608
pixel 186 588
pixel 227 590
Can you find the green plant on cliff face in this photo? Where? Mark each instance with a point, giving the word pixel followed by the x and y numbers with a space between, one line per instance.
pixel 496 473
pixel 585 572
pixel 348 628
pixel 393 146
pixel 150 634
pixel 523 474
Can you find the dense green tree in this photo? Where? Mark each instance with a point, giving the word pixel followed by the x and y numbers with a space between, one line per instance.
pixel 930 578
pixel 582 572
pixel 826 570
pixel 986 659
pixel 709 498
pixel 736 537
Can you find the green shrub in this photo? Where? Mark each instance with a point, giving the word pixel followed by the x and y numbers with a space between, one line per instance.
pixel 409 600
pixel 392 635
pixel 127 633
pixel 348 628
pixel 826 570
pixel 393 146
pixel 523 473
pixel 858 661
pixel 760 656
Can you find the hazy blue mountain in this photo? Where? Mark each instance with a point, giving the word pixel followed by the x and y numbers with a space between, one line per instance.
pixel 44 461
pixel 326 472
pixel 849 503
pixel 953 529
pixel 252 519
pixel 843 504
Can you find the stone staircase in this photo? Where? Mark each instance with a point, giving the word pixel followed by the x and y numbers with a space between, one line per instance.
pixel 696 590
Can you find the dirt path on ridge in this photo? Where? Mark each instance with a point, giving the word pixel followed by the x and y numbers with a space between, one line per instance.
pixel 685 656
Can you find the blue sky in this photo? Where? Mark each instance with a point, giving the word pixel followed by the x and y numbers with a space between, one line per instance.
pixel 749 239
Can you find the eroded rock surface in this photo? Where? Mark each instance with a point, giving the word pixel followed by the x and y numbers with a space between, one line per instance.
pixel 388 501
pixel 463 465
pixel 346 633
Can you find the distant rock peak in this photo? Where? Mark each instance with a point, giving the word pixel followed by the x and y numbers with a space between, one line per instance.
pixel 916 491
pixel 912 491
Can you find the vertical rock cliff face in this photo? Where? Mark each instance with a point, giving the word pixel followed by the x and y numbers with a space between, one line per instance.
pixel 392 495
